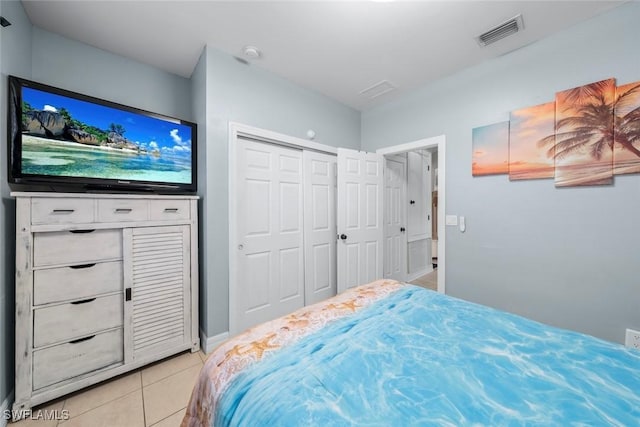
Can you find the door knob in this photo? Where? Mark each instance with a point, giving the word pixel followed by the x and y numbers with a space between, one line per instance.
pixel 343 237
pixel 402 229
pixel 412 202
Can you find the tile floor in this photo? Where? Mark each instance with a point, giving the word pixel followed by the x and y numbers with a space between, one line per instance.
pixel 429 280
pixel 155 395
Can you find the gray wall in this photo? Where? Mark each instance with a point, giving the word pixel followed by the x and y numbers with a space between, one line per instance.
pixel 15 58
pixel 68 64
pixel 249 95
pixel 566 257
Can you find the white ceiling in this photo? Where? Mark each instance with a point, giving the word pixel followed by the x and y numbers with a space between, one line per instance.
pixel 337 48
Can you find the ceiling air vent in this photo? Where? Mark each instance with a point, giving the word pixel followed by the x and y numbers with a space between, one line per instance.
pixel 503 30
pixel 378 89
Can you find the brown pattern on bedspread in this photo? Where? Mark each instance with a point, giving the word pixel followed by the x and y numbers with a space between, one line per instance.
pixel 234 355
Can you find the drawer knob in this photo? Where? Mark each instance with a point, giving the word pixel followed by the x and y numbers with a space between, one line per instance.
pixel 171 210
pixel 81 231
pixel 123 210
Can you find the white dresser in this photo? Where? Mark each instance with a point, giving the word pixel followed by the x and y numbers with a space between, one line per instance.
pixel 105 283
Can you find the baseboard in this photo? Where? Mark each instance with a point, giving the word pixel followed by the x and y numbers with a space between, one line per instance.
pixel 5 410
pixel 209 343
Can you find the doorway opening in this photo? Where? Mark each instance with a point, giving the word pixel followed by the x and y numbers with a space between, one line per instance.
pixel 414 246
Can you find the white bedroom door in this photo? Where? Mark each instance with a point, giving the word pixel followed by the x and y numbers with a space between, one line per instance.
pixel 395 236
pixel 319 226
pixel 359 206
pixel 269 252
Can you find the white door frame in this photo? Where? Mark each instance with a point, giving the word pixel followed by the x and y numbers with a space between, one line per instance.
pixel 438 142
pixel 237 130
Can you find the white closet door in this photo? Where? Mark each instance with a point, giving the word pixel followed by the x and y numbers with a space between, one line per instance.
pixel 270 259
pixel 319 226
pixel 360 188
pixel 395 236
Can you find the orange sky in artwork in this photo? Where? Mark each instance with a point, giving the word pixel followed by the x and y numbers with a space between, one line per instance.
pixel 527 127
pixel 490 149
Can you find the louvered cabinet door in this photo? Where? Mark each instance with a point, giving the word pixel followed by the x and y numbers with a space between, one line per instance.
pixel 157 306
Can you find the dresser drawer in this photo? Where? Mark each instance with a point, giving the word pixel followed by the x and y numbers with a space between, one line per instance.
pixel 117 210
pixel 67 321
pixel 61 211
pixel 76 282
pixel 71 248
pixel 64 361
pixel 167 210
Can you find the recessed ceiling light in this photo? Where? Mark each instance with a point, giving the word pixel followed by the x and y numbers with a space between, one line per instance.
pixel 251 52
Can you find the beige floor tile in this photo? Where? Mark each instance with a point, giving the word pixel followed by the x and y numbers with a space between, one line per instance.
pixel 169 395
pixel 103 393
pixel 429 280
pixel 168 367
pixel 41 415
pixel 126 411
pixel 173 420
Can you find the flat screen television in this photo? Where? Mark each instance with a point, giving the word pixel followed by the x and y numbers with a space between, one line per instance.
pixel 68 141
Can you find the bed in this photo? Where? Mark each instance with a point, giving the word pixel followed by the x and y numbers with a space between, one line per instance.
pixel 389 353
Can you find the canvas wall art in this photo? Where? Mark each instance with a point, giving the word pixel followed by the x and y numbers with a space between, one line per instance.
pixel 584 135
pixel 490 149
pixel 626 146
pixel 532 142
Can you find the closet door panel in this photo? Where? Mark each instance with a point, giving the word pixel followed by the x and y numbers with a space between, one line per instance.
pixel 269 255
pixel 359 217
pixel 319 226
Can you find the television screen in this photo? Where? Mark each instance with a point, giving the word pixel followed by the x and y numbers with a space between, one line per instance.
pixel 64 138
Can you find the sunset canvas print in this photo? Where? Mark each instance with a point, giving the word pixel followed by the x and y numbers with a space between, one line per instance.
pixel 529 129
pixel 490 149
pixel 583 148
pixel 626 146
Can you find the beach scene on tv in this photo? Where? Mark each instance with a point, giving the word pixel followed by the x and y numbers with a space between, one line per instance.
pixel 63 136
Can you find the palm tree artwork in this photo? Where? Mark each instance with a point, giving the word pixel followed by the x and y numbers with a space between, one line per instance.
pixel 626 145
pixel 588 135
pixel 528 126
pixel 583 142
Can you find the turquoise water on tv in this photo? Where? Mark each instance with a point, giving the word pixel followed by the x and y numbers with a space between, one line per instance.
pixel 42 156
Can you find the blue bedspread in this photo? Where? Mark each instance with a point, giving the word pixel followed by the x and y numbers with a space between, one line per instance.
pixel 422 358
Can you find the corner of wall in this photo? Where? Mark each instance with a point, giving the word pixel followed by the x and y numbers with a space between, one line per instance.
pixel 15 58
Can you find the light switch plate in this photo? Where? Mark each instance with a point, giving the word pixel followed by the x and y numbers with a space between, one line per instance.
pixel 451 220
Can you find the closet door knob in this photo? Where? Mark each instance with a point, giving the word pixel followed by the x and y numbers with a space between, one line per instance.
pixel 412 202
pixel 343 237
pixel 402 229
